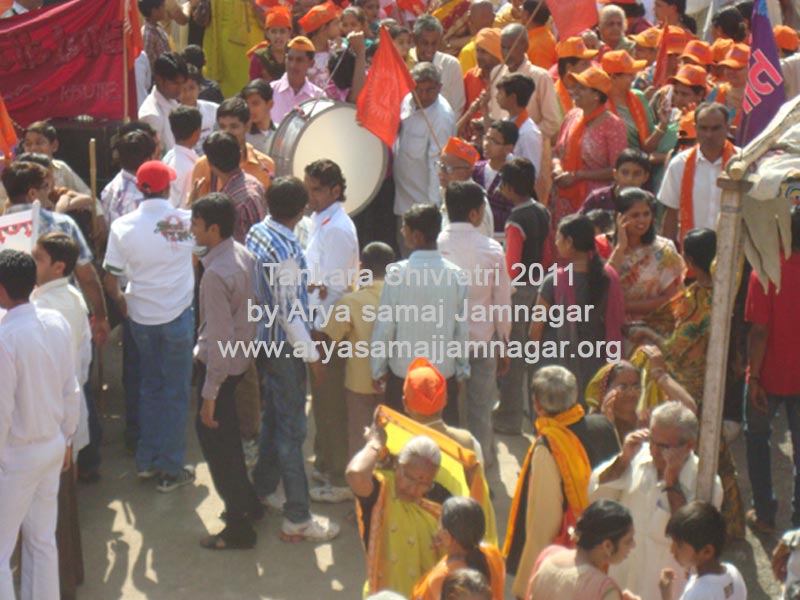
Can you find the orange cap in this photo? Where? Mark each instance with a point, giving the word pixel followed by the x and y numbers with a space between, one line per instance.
pixel 786 38
pixel 691 75
pixel 461 149
pixel 278 16
pixel 686 128
pixel 699 52
pixel 737 57
pixel 592 77
pixel 619 61
pixel 301 42
pixel 425 389
pixel 676 39
pixel 649 38
pixel 318 16
pixel 489 39
pixel 720 48
pixel 574 47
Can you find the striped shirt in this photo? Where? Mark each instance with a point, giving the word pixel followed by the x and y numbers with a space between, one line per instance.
pixel 120 196
pixel 279 258
pixel 249 198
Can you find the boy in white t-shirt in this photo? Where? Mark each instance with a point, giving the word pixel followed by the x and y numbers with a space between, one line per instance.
pixel 697 531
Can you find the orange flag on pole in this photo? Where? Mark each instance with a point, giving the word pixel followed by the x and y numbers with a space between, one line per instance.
pixel 660 70
pixel 388 82
pixel 132 29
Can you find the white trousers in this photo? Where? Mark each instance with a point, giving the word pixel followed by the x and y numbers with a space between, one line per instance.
pixel 29 478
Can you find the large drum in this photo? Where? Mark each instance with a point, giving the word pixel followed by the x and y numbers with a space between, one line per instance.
pixel 324 128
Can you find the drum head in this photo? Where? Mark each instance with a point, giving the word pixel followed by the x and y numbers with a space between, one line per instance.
pixel 332 132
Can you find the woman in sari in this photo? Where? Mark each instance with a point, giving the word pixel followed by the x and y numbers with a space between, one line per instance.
pixel 604 537
pixel 650 269
pixel 589 141
pixel 398 515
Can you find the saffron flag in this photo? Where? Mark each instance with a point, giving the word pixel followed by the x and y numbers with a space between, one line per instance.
pixel 660 70
pixel 132 29
pixel 764 93
pixel 63 61
pixel 388 82
pixel 573 17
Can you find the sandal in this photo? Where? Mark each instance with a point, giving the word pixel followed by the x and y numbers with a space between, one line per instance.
pixel 217 542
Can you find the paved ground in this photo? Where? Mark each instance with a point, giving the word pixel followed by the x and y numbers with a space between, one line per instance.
pixel 141 544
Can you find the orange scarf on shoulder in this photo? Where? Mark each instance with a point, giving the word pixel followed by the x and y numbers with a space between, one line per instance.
pixel 521 118
pixel 573 161
pixel 687 186
pixel 563 97
pixel 638 115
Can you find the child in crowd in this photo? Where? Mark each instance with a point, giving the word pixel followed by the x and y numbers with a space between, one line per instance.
pixel 353 19
pixel 190 96
pixel 372 12
pixel 513 93
pixel 321 25
pixel 697 531
pixel 632 169
pixel 359 393
pixel 401 36
pixel 603 221
pixel 154 38
pixel 267 58
pixel 258 95
pixel 185 123
pixel 498 145
pixel 209 89
pixel 42 138
pixel 121 195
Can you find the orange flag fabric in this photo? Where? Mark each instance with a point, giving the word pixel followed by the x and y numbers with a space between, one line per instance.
pixel 133 30
pixel 660 70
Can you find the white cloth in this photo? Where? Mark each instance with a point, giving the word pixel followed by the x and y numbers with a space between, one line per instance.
pixel 452 80
pixel 29 480
pixel 792 540
pixel 529 144
pixel 152 247
pixel 64 176
pixel 60 296
pixel 725 586
pixel 40 396
pixel 332 254
pixel 487 224
pixel 705 192
pixel 155 110
pixel 144 78
pixel 641 492
pixel 416 153
pixel 791 75
pixel 208 112
pixel 466 247
pixel 182 160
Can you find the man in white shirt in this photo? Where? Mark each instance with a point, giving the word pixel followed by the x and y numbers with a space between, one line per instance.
pixel 39 407
pixel 707 159
pixel 152 248
pixel 462 243
pixel 653 476
pixel 185 123
pixel 427 37
pixel 456 164
pixel 416 151
pixel 332 257
pixel 170 73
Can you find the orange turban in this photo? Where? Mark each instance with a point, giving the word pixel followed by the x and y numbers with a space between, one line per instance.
pixel 278 16
pixel 461 149
pixel 425 389
pixel 489 39
pixel 318 16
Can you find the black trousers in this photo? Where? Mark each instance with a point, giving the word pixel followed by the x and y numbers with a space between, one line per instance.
pixel 394 398
pixel 222 450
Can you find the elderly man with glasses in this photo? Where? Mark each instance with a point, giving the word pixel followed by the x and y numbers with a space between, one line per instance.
pixel 653 476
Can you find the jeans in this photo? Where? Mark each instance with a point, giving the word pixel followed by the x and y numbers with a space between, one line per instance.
pixel 165 353
pixel 131 381
pixel 758 430
pixel 89 456
pixel 481 392
pixel 283 431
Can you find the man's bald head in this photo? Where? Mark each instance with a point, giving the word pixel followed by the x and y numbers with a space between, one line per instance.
pixel 514 44
pixel 481 14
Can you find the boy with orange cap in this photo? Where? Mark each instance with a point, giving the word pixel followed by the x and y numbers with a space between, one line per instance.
pixel 321 24
pixel 267 58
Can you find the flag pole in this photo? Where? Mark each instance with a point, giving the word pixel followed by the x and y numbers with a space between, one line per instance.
pixel 125 84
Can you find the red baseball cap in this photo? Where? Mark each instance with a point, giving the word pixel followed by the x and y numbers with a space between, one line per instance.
pixel 154 176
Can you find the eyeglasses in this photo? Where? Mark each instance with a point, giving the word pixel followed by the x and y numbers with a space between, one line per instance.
pixel 450 169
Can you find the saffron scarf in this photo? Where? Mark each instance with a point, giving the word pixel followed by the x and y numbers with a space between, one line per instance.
pixel 564 99
pixel 638 114
pixel 573 465
pixel 687 185
pixel 573 161
pixel 521 118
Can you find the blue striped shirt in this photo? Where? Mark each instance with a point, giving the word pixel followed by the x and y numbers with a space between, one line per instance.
pixel 279 257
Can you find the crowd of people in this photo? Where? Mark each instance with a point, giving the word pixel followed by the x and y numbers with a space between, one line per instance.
pixel 541 254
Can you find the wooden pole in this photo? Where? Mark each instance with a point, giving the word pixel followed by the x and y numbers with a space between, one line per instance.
pixel 729 252
pixel 125 84
pixel 93 182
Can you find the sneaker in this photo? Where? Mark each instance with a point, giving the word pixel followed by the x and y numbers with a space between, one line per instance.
pixel 250 450
pixel 316 529
pixel 330 494
pixel 756 524
pixel 275 501
pixel 145 474
pixel 319 476
pixel 170 483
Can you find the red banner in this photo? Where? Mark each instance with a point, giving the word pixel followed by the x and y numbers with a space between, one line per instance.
pixel 63 61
